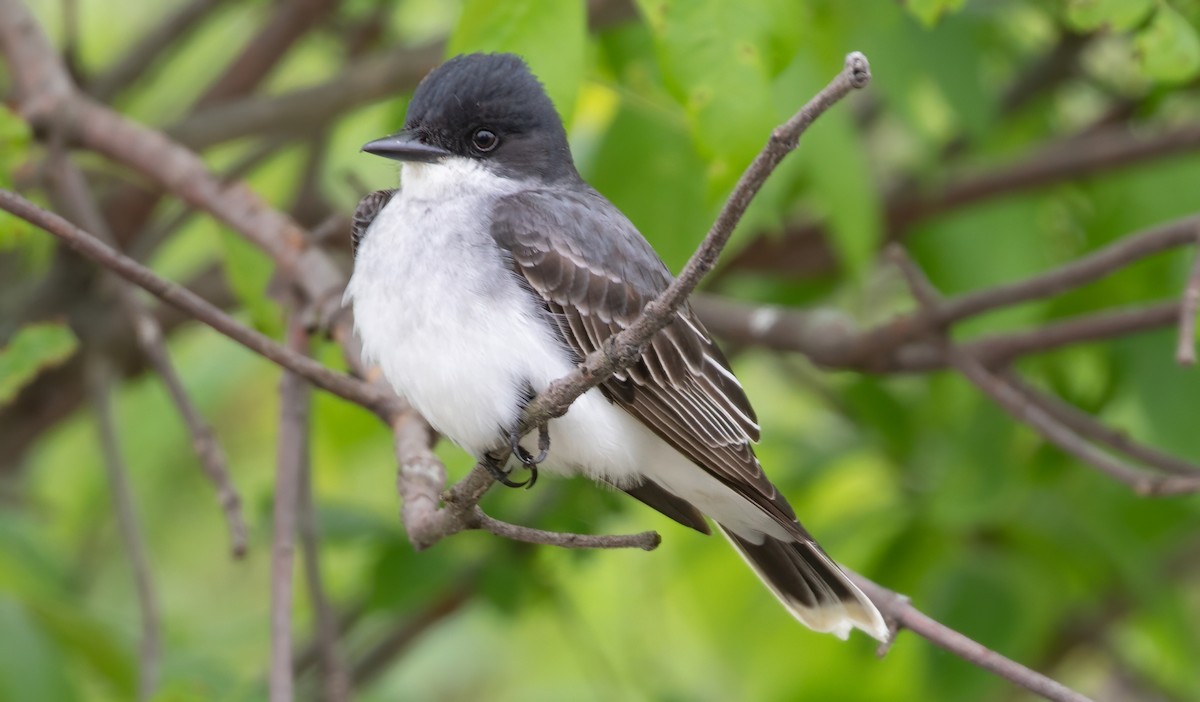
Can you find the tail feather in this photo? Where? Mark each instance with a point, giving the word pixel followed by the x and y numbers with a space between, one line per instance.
pixel 810 585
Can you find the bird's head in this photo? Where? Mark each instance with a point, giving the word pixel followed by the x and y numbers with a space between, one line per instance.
pixel 489 109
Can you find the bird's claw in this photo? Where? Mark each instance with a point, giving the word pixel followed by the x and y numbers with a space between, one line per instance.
pixel 501 476
pixel 527 459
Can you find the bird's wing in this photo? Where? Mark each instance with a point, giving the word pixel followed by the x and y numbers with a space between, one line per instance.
pixel 365 213
pixel 595 272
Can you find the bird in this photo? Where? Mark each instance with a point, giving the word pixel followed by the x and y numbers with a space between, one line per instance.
pixel 494 269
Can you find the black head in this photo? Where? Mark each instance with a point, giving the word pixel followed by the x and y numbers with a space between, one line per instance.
pixel 487 107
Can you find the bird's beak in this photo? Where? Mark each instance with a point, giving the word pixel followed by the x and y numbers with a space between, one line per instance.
pixel 405 146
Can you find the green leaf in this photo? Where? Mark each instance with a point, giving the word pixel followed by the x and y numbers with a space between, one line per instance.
pixel 841 183
pixel 35 348
pixel 1168 48
pixel 31 667
pixel 713 61
pixel 1120 15
pixel 550 35
pixel 15 138
pixel 930 11
pixel 249 272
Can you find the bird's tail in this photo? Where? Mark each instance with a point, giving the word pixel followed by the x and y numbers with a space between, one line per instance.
pixel 810 585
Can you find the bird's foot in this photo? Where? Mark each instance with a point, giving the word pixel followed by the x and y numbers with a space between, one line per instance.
pixel 527 459
pixel 496 468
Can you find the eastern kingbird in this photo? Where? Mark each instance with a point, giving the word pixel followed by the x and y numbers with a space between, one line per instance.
pixel 495 269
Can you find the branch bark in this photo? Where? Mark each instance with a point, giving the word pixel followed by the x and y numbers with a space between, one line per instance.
pixel 291 465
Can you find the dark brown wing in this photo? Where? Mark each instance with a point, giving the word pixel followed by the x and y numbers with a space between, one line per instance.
pixel 595 273
pixel 365 213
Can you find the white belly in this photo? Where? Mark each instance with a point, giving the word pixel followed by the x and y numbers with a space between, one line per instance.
pixel 443 316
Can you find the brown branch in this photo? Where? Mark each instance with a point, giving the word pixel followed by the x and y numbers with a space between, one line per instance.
pixel 1016 405
pixel 805 247
pixel 145 53
pixel 57 392
pixel 150 644
pixel 1089 268
pixel 292 460
pixel 330 666
pixel 73 195
pixel 900 614
pixel 831 339
pixel 997 350
pixel 646 540
pixel 624 348
pixel 1088 426
pixel 301 111
pixel 1185 353
pixel 289 21
pixel 341 385
pixel 1069 159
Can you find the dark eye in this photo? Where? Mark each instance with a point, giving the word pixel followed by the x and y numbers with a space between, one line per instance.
pixel 485 140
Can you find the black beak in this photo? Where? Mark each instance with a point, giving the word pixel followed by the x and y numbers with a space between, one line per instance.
pixel 405 146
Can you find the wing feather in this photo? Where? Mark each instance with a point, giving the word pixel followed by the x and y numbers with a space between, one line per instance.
pixel 681 387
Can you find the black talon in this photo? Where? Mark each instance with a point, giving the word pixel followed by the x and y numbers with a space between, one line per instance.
pixel 501 476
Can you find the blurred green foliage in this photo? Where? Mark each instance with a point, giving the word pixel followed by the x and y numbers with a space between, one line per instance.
pixel 918 482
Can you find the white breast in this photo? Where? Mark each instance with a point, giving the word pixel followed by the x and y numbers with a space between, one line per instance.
pixel 443 316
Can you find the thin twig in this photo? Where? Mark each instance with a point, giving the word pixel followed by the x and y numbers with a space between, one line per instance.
pixel 1011 401
pixel 74 196
pixel 646 540
pixel 341 385
pixel 330 666
pixel 292 458
pixel 150 644
pixel 1089 268
pixel 1185 353
pixel 900 614
pixel 1088 426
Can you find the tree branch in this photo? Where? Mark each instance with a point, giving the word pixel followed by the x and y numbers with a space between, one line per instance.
pixel 341 385
pixel 1089 427
pixel 1011 401
pixel 900 614
pixel 1185 353
pixel 150 645
pixel 292 463
pixel 646 540
pixel 330 666
pixel 74 195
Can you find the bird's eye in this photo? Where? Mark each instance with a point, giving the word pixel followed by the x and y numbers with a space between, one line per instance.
pixel 485 140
